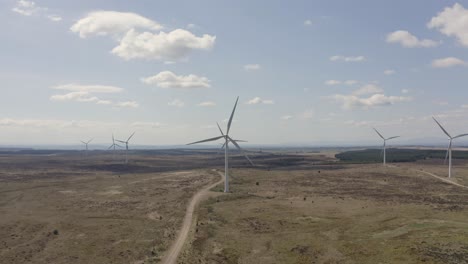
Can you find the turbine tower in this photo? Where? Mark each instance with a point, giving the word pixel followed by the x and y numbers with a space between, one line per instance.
pixel 113 146
pixel 384 148
pixel 449 149
pixel 227 139
pixel 86 143
pixel 126 146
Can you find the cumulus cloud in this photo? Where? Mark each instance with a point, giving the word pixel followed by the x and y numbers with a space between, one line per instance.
pixel 129 104
pixel 174 45
pixel 286 117
pixel 207 103
pixel 258 100
pixel 337 82
pixel 368 89
pixel 86 94
pixel 27 8
pixel 408 40
pixel 252 67
pixel 168 79
pixel 176 103
pixel 146 124
pixel 353 101
pixel 404 91
pixel 30 8
pixel 307 22
pixel 332 82
pixel 89 88
pixel 447 62
pixel 389 72
pixel 55 18
pixel 112 23
pixel 367 96
pixel 453 22
pixel 347 59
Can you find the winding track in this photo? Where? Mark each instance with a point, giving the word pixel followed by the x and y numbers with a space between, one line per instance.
pixel 435 176
pixel 174 251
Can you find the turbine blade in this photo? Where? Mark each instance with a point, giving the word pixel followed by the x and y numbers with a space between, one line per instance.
pixel 83 142
pixel 241 150
pixel 441 127
pixel 121 141
pixel 113 140
pixel 131 136
pixel 459 136
pixel 90 140
pixel 111 146
pixel 238 140
pixel 206 140
pixel 232 116
pixel 380 135
pixel 393 137
pixel 220 130
pixel 224 145
pixel 118 145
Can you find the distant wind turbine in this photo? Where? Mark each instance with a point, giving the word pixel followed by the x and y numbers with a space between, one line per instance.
pixel 113 145
pixel 227 139
pixel 449 149
pixel 126 146
pixel 384 148
pixel 86 143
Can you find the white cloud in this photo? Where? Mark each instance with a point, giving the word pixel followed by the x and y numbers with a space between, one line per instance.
pixel 307 22
pixel 368 89
pixel 89 88
pixel 347 59
pixel 54 18
pixel 168 79
pixel 258 100
pixel 350 82
pixel 452 21
pixel 26 8
pixel 176 102
pixel 332 82
pixel 171 46
pixel 85 94
pixel 408 40
pixel 404 91
pixel 129 104
pixel 191 26
pixel 389 72
pixel 207 103
pixel 252 67
pixel 75 96
pixel 112 23
pixel 146 124
pixel 465 106
pixel 447 62
pixel 357 123
pixel 307 114
pixel 353 101
pixel 286 117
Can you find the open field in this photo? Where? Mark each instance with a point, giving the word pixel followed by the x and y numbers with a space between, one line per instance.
pixel 292 208
pixel 348 214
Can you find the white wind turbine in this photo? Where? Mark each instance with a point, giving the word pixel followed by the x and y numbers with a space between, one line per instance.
pixel 384 148
pixel 126 146
pixel 227 139
pixel 113 146
pixel 86 143
pixel 449 149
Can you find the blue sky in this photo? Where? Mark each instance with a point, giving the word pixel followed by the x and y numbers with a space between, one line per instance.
pixel 310 72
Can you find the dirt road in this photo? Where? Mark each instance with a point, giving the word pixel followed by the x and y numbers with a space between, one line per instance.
pixel 175 249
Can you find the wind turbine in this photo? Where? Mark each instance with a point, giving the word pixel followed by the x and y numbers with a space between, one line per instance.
pixel 227 139
pixel 86 143
pixel 126 146
pixel 113 145
pixel 384 150
pixel 449 149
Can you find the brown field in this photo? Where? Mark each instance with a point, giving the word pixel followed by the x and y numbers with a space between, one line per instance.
pixel 291 208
